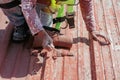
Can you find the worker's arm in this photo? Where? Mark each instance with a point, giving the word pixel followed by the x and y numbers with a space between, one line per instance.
pixel 31 16
pixel 88 16
pixel 87 13
pixel 34 23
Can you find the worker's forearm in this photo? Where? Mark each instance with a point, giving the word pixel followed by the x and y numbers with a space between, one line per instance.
pixel 88 14
pixel 31 16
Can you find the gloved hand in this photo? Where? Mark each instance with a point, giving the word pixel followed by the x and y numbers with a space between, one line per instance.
pixel 96 36
pixel 47 42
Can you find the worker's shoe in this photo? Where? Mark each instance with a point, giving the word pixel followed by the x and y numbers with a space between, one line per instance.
pixel 20 33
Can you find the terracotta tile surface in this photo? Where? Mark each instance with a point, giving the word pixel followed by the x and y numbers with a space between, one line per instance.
pixel 91 61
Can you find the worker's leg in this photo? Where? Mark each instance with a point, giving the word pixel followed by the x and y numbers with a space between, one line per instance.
pixel 16 17
pixel 46 18
pixel 88 14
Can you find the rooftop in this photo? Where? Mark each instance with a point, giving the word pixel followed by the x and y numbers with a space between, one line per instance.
pixel 91 61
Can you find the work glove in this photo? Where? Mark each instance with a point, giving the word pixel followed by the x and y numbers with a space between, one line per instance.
pixel 46 40
pixel 97 37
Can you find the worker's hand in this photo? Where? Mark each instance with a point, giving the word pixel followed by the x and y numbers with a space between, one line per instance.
pixel 96 36
pixel 47 42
